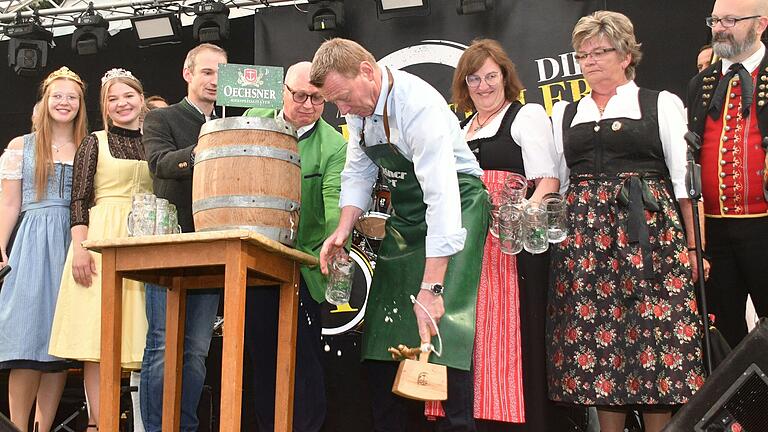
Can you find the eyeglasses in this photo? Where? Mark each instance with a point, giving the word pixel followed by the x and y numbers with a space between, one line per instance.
pixel 300 97
pixel 491 79
pixel 726 22
pixel 59 98
pixel 596 54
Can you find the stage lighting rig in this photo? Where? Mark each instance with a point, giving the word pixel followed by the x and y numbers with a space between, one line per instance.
pixel 212 22
pixel 157 29
pixel 386 9
pixel 28 45
pixel 325 15
pixel 467 7
pixel 90 34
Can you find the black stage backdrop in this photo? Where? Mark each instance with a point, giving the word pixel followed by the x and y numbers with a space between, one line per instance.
pixel 536 33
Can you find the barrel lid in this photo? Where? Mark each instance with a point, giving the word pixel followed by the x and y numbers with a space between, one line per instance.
pixel 248 123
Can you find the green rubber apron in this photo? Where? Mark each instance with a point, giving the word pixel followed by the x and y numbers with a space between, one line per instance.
pixel 389 317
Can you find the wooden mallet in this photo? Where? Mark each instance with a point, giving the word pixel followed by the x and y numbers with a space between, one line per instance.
pixel 419 379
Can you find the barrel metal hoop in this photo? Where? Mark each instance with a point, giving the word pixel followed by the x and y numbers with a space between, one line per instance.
pixel 247 123
pixel 245 201
pixel 282 235
pixel 248 150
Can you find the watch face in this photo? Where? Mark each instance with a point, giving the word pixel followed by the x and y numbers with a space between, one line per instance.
pixel 437 289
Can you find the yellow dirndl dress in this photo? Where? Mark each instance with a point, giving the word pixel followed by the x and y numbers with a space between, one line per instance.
pixel 76 332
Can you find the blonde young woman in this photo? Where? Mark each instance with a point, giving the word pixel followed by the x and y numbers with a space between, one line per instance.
pixel 109 169
pixel 36 179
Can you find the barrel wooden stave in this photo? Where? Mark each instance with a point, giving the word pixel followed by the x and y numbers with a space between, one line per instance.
pixel 245 176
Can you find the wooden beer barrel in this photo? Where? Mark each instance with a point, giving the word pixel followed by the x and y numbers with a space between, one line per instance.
pixel 247 175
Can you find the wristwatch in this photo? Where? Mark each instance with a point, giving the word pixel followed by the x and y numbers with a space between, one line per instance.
pixel 434 288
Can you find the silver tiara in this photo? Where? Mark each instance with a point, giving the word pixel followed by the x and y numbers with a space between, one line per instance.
pixel 117 73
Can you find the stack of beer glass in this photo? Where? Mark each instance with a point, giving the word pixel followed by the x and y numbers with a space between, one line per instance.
pixel 152 216
pixel 522 225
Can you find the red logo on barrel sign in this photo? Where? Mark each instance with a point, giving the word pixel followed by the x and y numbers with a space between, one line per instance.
pixel 251 75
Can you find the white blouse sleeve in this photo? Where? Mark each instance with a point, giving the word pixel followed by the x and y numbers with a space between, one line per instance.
pixel 11 163
pixel 431 132
pixel 672 128
pixel 557 131
pixel 532 129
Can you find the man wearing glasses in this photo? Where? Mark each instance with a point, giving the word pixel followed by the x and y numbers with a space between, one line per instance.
pixel 726 108
pixel 322 150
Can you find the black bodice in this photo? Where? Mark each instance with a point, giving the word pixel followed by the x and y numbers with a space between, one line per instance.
pixel 499 152
pixel 616 145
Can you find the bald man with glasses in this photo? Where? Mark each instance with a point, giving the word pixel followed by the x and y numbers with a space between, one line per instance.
pixel 323 152
pixel 727 109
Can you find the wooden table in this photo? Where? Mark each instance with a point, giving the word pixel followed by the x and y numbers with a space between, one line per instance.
pixel 231 259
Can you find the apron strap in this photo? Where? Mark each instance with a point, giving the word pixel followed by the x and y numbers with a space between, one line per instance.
pixel 386 101
pixel 386 117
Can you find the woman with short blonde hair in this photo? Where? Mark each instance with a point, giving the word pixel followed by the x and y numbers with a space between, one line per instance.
pixel 614 28
pixel 623 329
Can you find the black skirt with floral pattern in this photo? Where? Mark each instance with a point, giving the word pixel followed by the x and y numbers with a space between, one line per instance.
pixel 619 333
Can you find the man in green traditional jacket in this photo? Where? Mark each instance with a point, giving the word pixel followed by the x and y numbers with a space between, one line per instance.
pixel 322 150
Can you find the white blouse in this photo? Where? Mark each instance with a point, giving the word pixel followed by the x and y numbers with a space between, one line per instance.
pixel 672 128
pixel 11 163
pixel 532 131
pixel 426 132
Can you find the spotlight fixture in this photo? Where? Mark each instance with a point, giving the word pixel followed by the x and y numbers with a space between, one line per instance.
pixel 156 29
pixel 467 7
pixel 28 46
pixel 386 9
pixel 212 22
pixel 90 35
pixel 325 15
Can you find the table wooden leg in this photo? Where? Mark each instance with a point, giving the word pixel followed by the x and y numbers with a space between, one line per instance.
pixel 235 273
pixel 111 319
pixel 175 315
pixel 286 352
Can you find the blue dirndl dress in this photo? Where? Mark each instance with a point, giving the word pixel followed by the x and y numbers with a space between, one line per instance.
pixel 29 292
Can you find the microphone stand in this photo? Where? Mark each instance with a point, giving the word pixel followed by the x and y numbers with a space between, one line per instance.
pixel 693 185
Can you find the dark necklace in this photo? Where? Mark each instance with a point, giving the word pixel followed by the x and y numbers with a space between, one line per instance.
pixel 479 125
